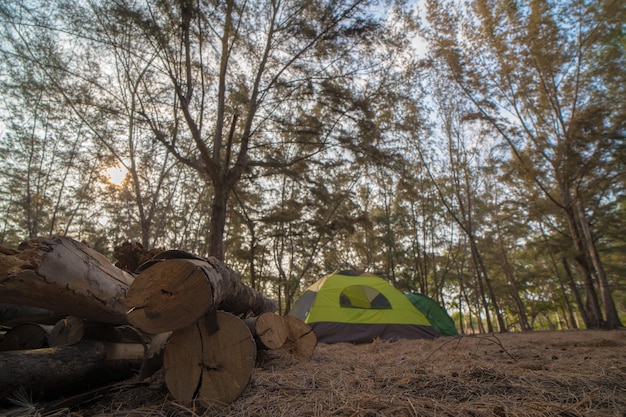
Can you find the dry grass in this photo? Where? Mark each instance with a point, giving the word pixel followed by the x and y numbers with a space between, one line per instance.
pixel 567 374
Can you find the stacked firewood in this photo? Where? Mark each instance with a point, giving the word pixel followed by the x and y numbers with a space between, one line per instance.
pixel 73 320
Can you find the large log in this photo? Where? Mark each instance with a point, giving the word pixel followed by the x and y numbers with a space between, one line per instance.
pixel 51 372
pixel 65 276
pixel 172 294
pixel 212 359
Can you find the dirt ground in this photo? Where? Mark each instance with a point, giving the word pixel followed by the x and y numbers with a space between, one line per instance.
pixel 564 373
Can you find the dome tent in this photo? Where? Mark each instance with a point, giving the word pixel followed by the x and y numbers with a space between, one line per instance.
pixel 436 315
pixel 358 308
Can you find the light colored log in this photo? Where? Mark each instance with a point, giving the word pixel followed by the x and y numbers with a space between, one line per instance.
pixel 65 276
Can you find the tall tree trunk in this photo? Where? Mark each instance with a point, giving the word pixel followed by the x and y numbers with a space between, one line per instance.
pixel 219 207
pixel 470 313
pixel 492 293
pixel 572 285
pixel 419 252
pixel 612 318
pixel 568 305
pixel 595 313
pixel 252 255
pixel 461 293
pixel 482 275
pixel 481 292
pixel 510 278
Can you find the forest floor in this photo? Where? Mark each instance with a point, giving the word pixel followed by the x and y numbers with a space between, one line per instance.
pixel 548 373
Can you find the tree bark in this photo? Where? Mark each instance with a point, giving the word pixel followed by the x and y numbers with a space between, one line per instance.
pixel 270 330
pixel 65 276
pixel 172 294
pixel 12 315
pixel 51 372
pixel 212 359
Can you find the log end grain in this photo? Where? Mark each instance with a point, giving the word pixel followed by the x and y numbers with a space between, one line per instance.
pixel 67 331
pixel 212 366
pixel 25 336
pixel 302 340
pixel 269 329
pixel 169 295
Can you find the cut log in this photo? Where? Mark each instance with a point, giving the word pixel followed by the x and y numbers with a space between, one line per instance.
pixel 269 330
pixel 73 329
pixel 26 336
pixel 215 366
pixel 51 372
pixel 67 331
pixel 168 296
pixel 172 294
pixel 66 276
pixel 302 340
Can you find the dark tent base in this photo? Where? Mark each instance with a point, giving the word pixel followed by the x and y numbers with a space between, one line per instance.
pixel 328 332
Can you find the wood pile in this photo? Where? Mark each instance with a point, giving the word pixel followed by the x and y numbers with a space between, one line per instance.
pixel 72 321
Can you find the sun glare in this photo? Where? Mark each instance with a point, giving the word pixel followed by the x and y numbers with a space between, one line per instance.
pixel 116 175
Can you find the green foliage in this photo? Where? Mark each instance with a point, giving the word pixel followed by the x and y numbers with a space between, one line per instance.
pixel 295 138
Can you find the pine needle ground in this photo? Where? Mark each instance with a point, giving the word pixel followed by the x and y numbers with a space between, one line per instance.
pixel 564 373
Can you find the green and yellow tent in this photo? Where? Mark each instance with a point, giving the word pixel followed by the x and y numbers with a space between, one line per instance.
pixel 358 308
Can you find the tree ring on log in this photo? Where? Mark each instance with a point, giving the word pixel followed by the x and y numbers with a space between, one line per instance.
pixel 269 330
pixel 210 366
pixel 302 340
pixel 157 303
